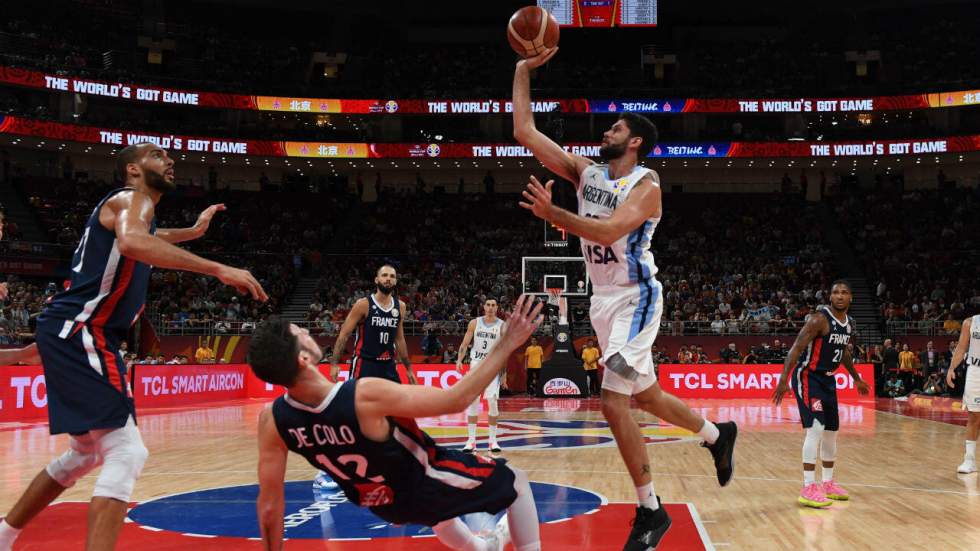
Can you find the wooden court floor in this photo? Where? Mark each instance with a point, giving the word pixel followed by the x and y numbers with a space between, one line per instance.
pixel 900 470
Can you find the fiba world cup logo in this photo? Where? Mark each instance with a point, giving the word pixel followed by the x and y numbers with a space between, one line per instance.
pixel 433 150
pixel 391 106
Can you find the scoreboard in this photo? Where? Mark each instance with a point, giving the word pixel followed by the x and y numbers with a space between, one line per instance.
pixel 602 13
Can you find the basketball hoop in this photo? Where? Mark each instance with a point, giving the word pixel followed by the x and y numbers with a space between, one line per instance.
pixel 555 299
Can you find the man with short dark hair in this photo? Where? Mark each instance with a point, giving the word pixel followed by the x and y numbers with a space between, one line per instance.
pixel 78 336
pixel 376 452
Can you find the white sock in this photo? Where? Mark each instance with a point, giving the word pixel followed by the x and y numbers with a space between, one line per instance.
pixel 455 535
pixel 809 477
pixel 708 432
pixel 471 432
pixel 971 450
pixel 646 497
pixel 7 535
pixel 493 433
pixel 828 474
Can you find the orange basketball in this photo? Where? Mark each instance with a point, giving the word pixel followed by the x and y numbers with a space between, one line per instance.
pixel 531 30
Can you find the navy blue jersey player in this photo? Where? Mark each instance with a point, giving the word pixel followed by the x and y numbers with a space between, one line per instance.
pixel 79 334
pixel 363 432
pixel 377 321
pixel 820 348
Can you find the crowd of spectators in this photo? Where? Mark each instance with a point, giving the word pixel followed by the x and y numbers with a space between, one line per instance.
pixel 741 264
pixel 919 247
pixel 901 369
pixel 796 58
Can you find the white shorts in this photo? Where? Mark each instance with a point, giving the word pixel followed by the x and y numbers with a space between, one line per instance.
pixel 971 390
pixel 492 392
pixel 626 320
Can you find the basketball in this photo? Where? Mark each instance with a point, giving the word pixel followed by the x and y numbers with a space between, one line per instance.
pixel 531 31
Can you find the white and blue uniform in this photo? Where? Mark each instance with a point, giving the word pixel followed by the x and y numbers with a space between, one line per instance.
pixel 971 387
pixel 627 300
pixel 485 338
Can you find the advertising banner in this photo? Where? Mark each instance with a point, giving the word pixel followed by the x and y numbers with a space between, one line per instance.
pixel 435 375
pixel 462 106
pixel 180 385
pixel 325 150
pixel 743 381
pixel 23 394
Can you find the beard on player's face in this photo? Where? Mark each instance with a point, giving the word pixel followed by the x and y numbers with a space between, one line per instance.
pixel 612 151
pixel 159 180
pixel 385 288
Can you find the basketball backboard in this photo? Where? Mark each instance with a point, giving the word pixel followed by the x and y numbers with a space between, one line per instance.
pixel 568 273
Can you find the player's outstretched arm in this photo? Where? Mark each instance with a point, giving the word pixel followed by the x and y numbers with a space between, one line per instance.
pixel 813 328
pixel 467 339
pixel 271 502
pixel 644 202
pixel 130 215
pixel 401 347
pixel 26 355
pixel 551 155
pixel 356 315
pixel 960 351
pixel 179 235
pixel 381 398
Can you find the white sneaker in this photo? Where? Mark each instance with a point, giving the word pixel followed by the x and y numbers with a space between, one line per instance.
pixel 968 466
pixel 500 537
pixel 322 481
pixel 470 446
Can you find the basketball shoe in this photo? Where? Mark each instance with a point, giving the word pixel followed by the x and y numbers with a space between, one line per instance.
pixel 723 451
pixel 649 528
pixel 968 466
pixel 812 496
pixel 322 481
pixel 835 492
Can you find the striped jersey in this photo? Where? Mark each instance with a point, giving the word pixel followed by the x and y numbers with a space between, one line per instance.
pixel 106 290
pixel 485 337
pixel 370 473
pixel 824 354
pixel 375 337
pixel 629 260
pixel 973 352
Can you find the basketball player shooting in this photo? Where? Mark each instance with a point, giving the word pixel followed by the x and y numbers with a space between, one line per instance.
pixel 968 348
pixel 79 334
pixel 619 208
pixel 363 431
pixel 483 333
pixel 819 349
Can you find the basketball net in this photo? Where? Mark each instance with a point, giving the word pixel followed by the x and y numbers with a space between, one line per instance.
pixel 555 299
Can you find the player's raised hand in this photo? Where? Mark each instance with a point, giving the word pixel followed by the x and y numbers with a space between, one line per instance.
pixel 781 389
pixel 538 198
pixel 523 321
pixel 540 59
pixel 243 281
pixel 204 220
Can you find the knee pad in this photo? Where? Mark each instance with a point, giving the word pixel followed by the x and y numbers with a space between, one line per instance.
pixel 811 442
pixel 828 446
pixel 492 411
pixel 474 409
pixel 123 456
pixel 75 463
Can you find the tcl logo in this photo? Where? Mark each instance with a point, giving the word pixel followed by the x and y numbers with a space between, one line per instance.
pixel 33 387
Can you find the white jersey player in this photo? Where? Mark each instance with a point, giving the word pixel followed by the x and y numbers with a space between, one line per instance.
pixel 484 333
pixel 619 208
pixel 969 345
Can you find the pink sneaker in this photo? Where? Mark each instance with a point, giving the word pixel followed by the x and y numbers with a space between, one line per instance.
pixel 835 492
pixel 812 496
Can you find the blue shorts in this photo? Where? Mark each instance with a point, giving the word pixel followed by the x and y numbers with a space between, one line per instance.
pixel 432 501
pixel 85 376
pixel 384 369
pixel 816 396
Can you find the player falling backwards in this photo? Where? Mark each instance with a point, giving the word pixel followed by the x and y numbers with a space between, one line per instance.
pixel 619 208
pixel 484 332
pixel 79 334
pixel 968 348
pixel 819 349
pixel 363 431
